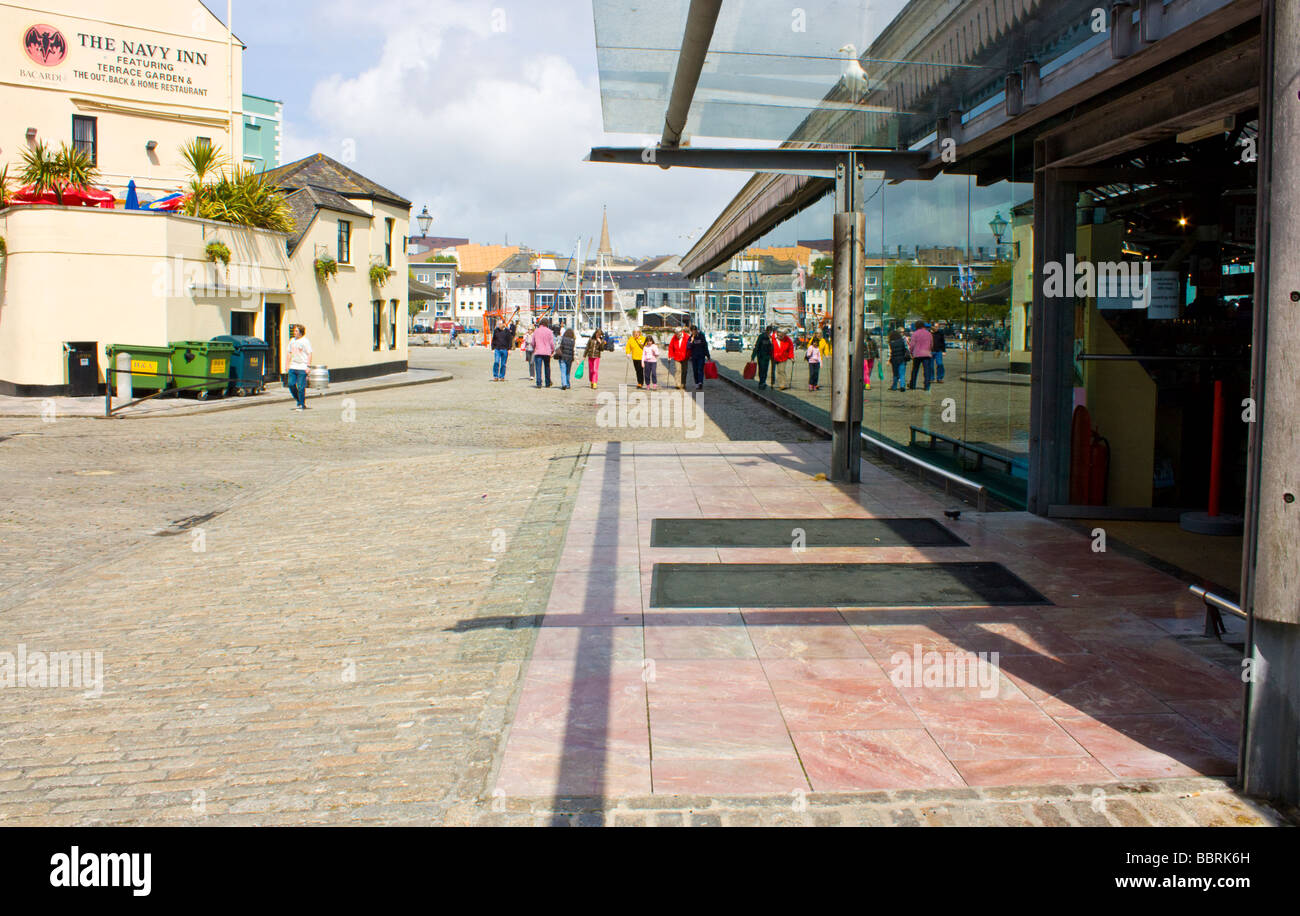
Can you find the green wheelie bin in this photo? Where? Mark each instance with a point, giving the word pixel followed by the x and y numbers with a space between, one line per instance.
pixel 247 364
pixel 150 366
pixel 201 367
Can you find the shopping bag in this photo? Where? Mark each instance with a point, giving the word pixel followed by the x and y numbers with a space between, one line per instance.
pixel 751 369
pixel 577 373
pixel 880 369
pixel 710 369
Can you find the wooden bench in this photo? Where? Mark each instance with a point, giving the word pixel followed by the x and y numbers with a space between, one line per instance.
pixel 980 453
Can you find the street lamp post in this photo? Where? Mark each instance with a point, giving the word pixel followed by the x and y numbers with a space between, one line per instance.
pixel 998 225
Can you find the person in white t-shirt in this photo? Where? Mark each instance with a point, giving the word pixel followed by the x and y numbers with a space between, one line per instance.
pixel 299 363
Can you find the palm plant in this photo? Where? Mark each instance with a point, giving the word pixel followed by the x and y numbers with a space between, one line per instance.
pixel 246 198
pixel 45 170
pixel 4 186
pixel 40 169
pixel 75 166
pixel 203 159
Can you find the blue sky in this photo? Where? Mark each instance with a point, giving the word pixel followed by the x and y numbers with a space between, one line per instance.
pixel 483 109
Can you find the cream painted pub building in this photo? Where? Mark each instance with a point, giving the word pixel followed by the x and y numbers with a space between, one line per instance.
pixel 129 82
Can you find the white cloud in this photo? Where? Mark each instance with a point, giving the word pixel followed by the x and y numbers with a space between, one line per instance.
pixel 489 129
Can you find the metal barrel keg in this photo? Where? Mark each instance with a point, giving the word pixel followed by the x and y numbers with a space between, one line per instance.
pixel 318 377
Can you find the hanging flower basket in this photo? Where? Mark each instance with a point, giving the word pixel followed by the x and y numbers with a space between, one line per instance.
pixel 217 251
pixel 326 267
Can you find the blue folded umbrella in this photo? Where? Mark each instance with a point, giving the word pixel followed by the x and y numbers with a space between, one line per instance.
pixel 132 202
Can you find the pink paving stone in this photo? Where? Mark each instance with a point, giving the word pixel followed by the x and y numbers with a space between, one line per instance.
pixel 673 642
pixel 994 729
pixel 885 642
pixel 1220 718
pixel 618 643
pixel 1032 771
pixel 1022 637
pixel 1074 684
pixel 837 694
pixel 537 765
pixel 762 776
pixel 1144 747
pixel 775 617
pixel 681 738
pixel 622 616
pixel 846 761
pixel 711 681
pixel 806 641
pixel 685 617
pixel 1164 668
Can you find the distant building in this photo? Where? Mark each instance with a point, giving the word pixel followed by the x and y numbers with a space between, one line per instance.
pixel 262 135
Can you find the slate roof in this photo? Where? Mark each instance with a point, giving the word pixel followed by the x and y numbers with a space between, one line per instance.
pixel 318 182
pixel 304 203
pixel 322 172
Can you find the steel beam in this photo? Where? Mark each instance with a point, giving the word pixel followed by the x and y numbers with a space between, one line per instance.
pixel 820 163
pixel 700 22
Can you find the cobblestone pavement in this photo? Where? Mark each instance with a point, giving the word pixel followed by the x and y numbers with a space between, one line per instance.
pixel 323 617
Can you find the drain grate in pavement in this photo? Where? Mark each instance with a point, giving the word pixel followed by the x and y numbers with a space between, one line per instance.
pixel 767 585
pixel 817 532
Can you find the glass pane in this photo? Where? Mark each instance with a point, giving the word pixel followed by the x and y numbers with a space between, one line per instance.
pixel 836 71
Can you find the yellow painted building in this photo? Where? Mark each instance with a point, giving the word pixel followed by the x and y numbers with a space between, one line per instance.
pixel 149 77
pixel 128 81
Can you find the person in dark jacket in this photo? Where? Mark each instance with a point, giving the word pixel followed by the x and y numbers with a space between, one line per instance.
pixel 762 354
pixel 699 355
pixel 937 348
pixel 503 338
pixel 564 354
pixel 898 357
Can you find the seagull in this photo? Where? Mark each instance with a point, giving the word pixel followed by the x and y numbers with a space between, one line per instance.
pixel 854 77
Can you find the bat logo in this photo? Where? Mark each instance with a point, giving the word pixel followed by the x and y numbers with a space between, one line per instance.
pixel 45 45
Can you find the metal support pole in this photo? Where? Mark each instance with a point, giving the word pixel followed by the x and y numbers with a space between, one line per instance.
pixel 1051 394
pixel 847 344
pixel 1270 746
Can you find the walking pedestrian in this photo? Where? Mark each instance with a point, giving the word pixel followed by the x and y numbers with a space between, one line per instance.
pixel 897 360
pixel 921 358
pixel 938 347
pixel 650 362
pixel 699 356
pixel 299 362
pixel 528 349
pixel 634 347
pixel 762 354
pixel 503 338
pixel 679 351
pixel 543 347
pixel 568 342
pixel 814 357
pixel 783 357
pixel 870 355
pixel 595 347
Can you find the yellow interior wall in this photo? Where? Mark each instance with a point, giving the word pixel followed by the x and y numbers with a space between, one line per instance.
pixel 1121 396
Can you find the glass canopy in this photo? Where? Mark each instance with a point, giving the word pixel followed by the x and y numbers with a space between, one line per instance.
pixel 875 74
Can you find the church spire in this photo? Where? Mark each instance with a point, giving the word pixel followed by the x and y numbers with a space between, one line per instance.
pixel 605 247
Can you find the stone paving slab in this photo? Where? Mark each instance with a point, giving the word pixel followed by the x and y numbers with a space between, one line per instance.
pixel 778 700
pixel 348 645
